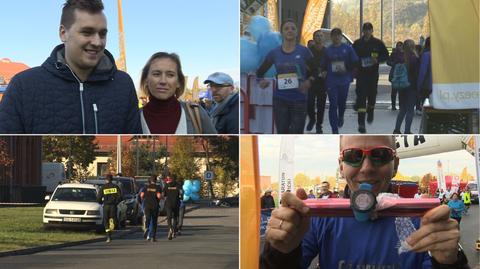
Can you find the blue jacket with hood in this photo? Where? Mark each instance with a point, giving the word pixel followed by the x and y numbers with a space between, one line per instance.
pixel 50 99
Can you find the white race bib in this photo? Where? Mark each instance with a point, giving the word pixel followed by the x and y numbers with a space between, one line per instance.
pixel 367 62
pixel 287 81
pixel 338 67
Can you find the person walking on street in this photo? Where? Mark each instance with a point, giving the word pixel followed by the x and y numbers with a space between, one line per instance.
pixel 109 195
pixel 424 83
pixel 395 57
pixel 267 201
pixel 172 194
pixel 406 72
pixel 467 201
pixel 293 80
pixel 372 52
pixel 317 95
pixel 339 62
pixel 151 197
pixel 456 208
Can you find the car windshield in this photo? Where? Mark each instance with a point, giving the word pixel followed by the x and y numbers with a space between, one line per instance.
pixel 75 194
pixel 127 186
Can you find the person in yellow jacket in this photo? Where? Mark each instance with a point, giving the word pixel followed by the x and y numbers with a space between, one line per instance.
pixel 466 197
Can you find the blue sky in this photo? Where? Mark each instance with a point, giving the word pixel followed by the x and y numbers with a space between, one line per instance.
pixel 205 34
pixel 318 156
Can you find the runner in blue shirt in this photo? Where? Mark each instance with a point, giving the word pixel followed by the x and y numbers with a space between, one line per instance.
pixel 338 62
pixel 293 239
pixel 293 81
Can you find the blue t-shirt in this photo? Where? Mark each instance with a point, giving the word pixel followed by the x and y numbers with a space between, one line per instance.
pixel 343 58
pixel 456 207
pixel 348 243
pixel 287 64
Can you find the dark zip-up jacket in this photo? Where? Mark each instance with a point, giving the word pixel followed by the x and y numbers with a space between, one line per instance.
pixel 226 119
pixel 50 99
pixel 109 194
pixel 364 49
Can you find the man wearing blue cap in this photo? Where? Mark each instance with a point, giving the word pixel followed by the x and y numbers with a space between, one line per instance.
pixel 224 112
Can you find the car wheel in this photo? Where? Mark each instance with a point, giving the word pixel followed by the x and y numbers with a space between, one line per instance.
pixel 225 204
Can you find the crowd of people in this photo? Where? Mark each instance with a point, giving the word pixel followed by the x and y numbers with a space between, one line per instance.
pixel 79 90
pixel 306 76
pixel 149 197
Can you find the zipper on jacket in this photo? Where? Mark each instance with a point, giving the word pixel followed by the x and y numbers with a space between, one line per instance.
pixel 95 110
pixel 81 103
pixel 81 97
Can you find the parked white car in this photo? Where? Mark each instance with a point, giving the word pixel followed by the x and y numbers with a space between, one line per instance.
pixel 75 205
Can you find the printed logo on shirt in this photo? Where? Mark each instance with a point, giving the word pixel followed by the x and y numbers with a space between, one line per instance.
pixel 344 265
pixel 110 191
pixel 152 190
pixel 172 188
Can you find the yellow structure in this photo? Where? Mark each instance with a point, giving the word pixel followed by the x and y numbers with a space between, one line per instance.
pixel 121 61
pixel 250 203
pixel 312 21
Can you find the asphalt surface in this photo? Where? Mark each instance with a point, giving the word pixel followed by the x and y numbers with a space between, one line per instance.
pixel 384 116
pixel 470 232
pixel 209 240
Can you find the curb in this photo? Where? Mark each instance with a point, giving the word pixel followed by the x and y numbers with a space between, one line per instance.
pixel 33 250
pixel 116 235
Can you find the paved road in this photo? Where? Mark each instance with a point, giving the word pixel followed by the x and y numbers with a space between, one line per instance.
pixel 209 240
pixel 470 232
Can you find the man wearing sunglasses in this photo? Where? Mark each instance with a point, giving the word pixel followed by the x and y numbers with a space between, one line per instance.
pixel 293 239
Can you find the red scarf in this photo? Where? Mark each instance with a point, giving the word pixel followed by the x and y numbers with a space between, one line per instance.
pixel 162 116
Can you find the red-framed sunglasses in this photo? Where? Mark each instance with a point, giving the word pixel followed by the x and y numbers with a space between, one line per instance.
pixel 378 156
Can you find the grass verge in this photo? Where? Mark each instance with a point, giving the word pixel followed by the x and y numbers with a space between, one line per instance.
pixel 22 227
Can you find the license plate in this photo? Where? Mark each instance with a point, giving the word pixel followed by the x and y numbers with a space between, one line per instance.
pixel 72 219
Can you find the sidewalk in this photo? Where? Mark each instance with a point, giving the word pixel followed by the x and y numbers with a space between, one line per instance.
pixel 383 123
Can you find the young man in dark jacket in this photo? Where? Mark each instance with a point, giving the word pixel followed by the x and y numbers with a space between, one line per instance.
pixel 78 89
pixel 371 52
pixel 109 195
pixel 224 113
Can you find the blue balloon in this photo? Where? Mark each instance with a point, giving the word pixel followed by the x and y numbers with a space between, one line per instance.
pixel 187 192
pixel 248 56
pixel 195 196
pixel 195 188
pixel 186 198
pixel 257 26
pixel 187 184
pixel 196 183
pixel 267 42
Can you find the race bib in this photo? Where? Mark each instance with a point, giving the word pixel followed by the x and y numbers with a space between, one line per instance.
pixel 287 81
pixel 338 67
pixel 367 62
